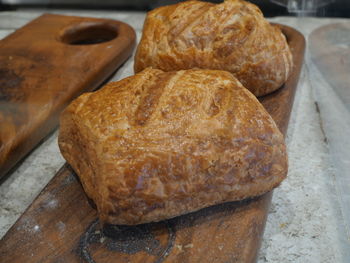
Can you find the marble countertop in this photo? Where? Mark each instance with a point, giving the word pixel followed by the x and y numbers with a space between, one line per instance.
pixel 304 222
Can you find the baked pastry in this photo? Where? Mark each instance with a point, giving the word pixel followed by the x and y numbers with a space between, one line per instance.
pixel 231 36
pixel 160 144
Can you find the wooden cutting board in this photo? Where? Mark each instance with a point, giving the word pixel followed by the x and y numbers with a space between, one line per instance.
pixel 46 64
pixel 330 51
pixel 61 225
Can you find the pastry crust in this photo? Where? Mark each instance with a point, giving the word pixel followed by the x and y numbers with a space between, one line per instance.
pixel 231 36
pixel 160 144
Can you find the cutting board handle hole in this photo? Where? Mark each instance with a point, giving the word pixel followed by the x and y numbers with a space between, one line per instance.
pixel 89 34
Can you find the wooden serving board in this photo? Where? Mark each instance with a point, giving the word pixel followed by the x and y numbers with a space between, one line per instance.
pixel 46 64
pixel 61 225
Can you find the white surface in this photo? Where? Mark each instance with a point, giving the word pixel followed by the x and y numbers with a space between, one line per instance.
pixel 336 124
pixel 304 224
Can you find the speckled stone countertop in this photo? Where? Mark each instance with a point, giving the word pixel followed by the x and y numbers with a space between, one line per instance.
pixel 304 223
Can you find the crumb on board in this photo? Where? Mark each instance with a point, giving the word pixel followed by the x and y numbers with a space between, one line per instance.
pixel 181 247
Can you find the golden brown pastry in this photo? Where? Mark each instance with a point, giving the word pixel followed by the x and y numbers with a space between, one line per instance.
pixel 160 144
pixel 231 36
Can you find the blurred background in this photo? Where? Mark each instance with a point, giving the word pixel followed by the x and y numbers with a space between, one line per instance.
pixel 270 8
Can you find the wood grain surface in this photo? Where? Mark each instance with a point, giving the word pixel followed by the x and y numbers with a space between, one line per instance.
pixel 46 64
pixel 61 225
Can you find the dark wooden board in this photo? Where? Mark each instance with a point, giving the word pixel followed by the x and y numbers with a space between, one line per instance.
pixel 46 64
pixel 61 225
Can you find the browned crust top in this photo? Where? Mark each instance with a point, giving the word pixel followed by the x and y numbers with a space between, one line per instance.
pixel 231 36
pixel 160 144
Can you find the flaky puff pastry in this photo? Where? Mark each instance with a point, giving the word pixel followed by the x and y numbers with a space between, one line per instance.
pixel 231 36
pixel 160 144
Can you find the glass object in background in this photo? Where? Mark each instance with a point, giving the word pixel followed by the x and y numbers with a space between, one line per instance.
pixel 302 7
